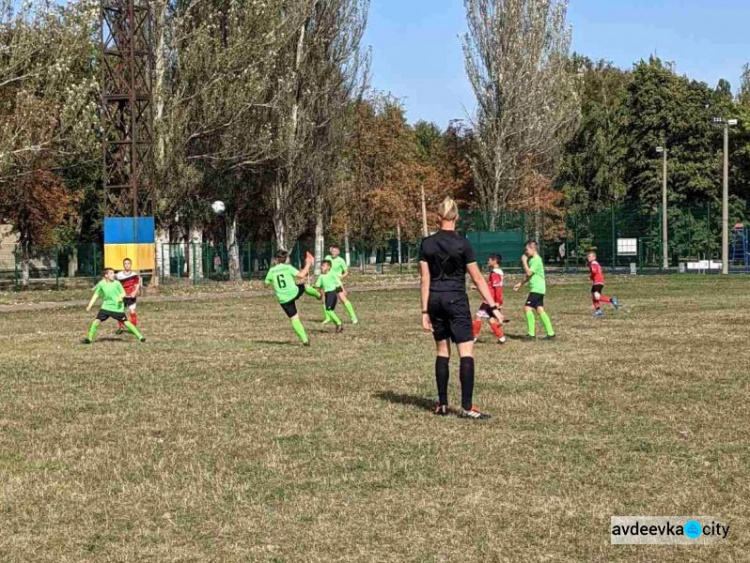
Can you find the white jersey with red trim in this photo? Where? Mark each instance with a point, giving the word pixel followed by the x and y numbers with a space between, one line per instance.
pixel 129 280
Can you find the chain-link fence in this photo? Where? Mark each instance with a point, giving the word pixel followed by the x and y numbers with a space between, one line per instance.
pixel 622 236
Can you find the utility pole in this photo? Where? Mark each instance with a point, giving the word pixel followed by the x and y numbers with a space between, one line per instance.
pixel 664 225
pixel 726 123
pixel 424 213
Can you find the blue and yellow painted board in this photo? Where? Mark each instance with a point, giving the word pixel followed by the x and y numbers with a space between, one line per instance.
pixel 129 237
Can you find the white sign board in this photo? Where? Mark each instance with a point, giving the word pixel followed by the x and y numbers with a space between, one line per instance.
pixel 627 247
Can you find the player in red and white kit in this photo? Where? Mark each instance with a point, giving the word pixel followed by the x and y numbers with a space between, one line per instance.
pixel 131 283
pixel 597 286
pixel 495 283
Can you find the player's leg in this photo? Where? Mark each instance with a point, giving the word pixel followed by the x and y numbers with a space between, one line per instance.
pixel 290 308
pixel 311 291
pixel 131 311
pixel 442 374
pixel 331 300
pixel 544 317
pixel 497 329
pixel 131 327
pixel 461 332
pixel 595 301
pixel 605 299
pixel 347 305
pixel 483 314
pixel 530 320
pixel 93 327
pixel 441 333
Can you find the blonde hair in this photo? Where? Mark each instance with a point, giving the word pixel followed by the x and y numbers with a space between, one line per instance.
pixel 448 210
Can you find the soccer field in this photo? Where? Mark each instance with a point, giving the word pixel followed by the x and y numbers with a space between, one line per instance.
pixel 222 439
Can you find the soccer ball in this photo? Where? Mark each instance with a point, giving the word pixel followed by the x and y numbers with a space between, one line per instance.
pixel 218 207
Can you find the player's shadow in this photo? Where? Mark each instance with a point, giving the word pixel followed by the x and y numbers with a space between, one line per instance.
pixel 110 339
pixel 408 400
pixel 276 342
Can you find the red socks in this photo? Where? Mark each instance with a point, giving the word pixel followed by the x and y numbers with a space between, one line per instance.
pixel 477 327
pixel 497 330
pixel 134 319
pixel 605 299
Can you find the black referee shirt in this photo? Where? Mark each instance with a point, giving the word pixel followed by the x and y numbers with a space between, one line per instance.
pixel 447 253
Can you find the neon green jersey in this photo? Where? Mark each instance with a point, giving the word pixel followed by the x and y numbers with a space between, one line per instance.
pixel 283 278
pixel 112 294
pixel 338 265
pixel 328 282
pixel 537 283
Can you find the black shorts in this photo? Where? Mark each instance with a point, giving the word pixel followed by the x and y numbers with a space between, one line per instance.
pixel 598 288
pixel 103 315
pixel 450 316
pixel 339 289
pixel 332 298
pixel 535 300
pixel 290 307
pixel 128 301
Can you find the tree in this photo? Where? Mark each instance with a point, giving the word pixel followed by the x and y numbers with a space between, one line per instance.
pixel 516 54
pixel 48 115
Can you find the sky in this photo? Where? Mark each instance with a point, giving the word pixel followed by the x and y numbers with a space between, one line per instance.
pixel 417 54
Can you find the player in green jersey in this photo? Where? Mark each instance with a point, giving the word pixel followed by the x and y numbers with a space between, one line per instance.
pixel 339 267
pixel 113 295
pixel 289 285
pixel 329 285
pixel 534 270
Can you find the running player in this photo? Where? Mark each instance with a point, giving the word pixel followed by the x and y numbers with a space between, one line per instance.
pixel 131 283
pixel 597 286
pixel 445 258
pixel 289 285
pixel 495 282
pixel 329 286
pixel 339 267
pixel 112 294
pixel 533 267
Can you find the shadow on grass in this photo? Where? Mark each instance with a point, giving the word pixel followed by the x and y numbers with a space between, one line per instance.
pixel 409 400
pixel 277 342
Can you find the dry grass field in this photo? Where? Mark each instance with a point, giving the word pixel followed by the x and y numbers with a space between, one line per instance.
pixel 221 439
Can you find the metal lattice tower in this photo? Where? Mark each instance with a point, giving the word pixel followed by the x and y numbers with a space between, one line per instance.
pixel 126 63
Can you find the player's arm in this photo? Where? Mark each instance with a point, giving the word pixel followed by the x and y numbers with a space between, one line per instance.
pixel 136 287
pixel 93 299
pixel 527 271
pixel 483 288
pixel 424 272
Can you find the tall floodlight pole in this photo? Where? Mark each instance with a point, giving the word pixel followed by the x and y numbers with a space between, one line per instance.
pixel 126 51
pixel 664 229
pixel 726 123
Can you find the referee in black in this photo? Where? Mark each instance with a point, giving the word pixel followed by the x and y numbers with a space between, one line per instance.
pixel 445 257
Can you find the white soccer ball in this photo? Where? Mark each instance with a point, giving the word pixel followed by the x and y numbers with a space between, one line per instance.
pixel 218 207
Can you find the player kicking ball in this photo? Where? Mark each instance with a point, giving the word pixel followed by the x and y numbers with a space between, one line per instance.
pixel 597 286
pixel 113 295
pixel 533 267
pixel 339 267
pixel 495 283
pixel 131 283
pixel 289 285
pixel 329 285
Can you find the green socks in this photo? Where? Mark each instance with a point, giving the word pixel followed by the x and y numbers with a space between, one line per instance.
pixel 350 310
pixel 131 327
pixel 531 323
pixel 326 319
pixel 92 330
pixel 300 330
pixel 334 317
pixel 312 291
pixel 544 317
